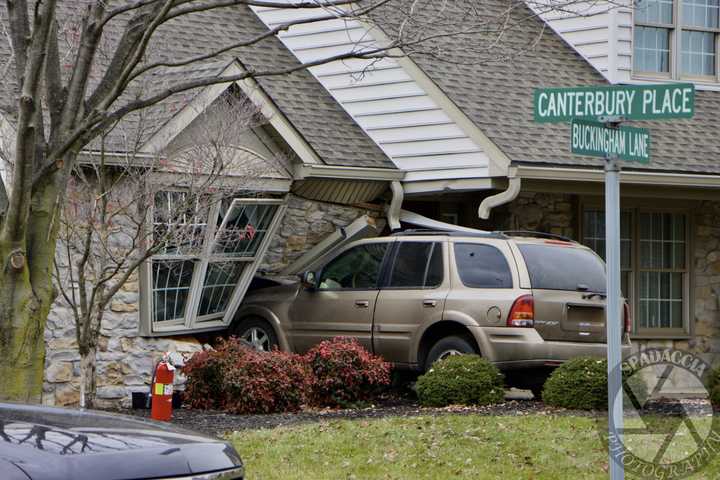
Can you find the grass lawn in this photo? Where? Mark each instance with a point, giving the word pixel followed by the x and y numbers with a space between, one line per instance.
pixel 443 447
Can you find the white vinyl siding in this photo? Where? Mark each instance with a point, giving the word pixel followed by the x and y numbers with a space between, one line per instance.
pixel 394 110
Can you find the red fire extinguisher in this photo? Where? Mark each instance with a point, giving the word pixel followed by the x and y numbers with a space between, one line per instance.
pixel 162 390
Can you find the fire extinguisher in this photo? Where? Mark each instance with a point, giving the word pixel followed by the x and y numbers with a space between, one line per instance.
pixel 162 389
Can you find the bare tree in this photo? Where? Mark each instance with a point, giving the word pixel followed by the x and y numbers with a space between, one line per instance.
pixel 73 68
pixel 104 230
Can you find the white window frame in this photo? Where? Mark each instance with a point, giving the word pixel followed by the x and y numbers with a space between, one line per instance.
pixel 675 44
pixel 214 321
pixel 635 270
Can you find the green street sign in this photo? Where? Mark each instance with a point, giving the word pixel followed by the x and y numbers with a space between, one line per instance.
pixel 597 140
pixel 631 102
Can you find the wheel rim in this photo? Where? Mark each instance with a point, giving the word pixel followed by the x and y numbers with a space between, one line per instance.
pixel 258 338
pixel 449 353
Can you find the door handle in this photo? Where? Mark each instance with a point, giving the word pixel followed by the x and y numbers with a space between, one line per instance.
pixel 429 303
pixel 362 303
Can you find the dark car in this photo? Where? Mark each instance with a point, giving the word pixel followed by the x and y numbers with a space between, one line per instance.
pixel 45 443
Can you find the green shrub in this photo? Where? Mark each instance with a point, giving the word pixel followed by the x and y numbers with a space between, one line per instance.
pixel 461 380
pixel 714 386
pixel 581 383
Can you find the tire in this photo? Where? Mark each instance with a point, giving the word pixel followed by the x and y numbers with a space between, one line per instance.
pixel 447 346
pixel 257 333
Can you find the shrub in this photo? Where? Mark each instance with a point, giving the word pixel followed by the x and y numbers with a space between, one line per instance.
pixel 461 380
pixel 714 386
pixel 241 380
pixel 581 383
pixel 344 373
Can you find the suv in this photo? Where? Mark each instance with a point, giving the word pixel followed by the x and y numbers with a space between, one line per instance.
pixel 521 300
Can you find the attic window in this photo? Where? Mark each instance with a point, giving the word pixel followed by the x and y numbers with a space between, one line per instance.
pixel 677 39
pixel 204 267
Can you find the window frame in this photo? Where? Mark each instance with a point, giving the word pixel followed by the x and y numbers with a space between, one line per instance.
pixel 637 208
pixel 191 321
pixel 676 29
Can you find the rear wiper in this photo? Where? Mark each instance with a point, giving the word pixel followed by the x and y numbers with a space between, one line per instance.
pixel 589 296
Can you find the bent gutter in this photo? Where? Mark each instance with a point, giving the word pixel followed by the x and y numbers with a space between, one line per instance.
pixel 393 211
pixel 501 198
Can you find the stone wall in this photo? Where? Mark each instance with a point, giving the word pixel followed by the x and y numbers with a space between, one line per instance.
pixel 124 358
pixel 544 212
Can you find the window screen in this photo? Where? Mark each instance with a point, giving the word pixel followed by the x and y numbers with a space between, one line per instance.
pixel 417 265
pixel 482 266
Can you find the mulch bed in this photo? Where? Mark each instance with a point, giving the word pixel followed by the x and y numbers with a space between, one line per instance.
pixel 219 423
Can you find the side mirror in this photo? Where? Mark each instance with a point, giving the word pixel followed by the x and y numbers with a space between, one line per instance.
pixel 309 280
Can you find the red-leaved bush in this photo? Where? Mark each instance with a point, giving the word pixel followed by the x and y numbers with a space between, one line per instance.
pixel 239 379
pixel 343 372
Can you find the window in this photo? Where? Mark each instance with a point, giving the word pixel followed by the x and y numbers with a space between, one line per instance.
pixel 203 267
pixel 677 38
pixel 417 265
pixel 357 268
pixel 654 266
pixel 553 267
pixel 482 266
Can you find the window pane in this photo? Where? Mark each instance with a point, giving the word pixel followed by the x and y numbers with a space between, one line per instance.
pixel 700 13
pixel 698 53
pixel 651 49
pixel 357 268
pixel 246 224
pixel 563 268
pixel 662 241
pixel 180 222
pixel 218 286
pixel 594 235
pixel 171 286
pixel 482 266
pixel 654 11
pixel 661 300
pixel 411 264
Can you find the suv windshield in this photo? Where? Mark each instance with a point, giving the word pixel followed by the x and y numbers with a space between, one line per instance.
pixel 553 267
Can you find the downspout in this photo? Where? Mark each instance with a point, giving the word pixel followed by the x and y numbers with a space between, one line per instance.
pixel 393 210
pixel 501 198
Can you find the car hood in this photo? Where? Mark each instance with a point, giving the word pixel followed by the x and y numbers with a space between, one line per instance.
pixel 55 443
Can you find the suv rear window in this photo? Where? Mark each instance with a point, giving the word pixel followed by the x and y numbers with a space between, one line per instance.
pixel 553 267
pixel 482 266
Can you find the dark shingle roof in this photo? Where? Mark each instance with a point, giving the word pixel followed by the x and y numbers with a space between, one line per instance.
pixel 322 122
pixel 495 89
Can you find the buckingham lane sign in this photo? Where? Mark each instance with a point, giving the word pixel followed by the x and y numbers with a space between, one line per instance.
pixel 596 139
pixel 630 102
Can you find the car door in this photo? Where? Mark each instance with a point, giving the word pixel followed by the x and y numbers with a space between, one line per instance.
pixel 343 301
pixel 413 295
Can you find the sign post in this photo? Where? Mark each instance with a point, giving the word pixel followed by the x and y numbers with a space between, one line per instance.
pixel 596 114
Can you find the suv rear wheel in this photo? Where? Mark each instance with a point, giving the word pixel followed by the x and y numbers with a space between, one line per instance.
pixel 257 332
pixel 446 347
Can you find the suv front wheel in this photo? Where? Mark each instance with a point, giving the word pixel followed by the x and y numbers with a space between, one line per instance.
pixel 257 332
pixel 446 347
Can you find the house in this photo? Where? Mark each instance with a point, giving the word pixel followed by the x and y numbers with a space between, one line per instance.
pixel 447 135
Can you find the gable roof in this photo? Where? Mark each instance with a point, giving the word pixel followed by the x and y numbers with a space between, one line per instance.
pixel 494 88
pixel 323 124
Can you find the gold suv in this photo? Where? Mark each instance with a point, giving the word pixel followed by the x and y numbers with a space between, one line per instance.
pixel 521 300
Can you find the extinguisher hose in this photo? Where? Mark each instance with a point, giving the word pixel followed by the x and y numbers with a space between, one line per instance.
pixel 152 382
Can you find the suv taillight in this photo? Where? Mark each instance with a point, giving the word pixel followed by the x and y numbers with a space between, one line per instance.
pixel 627 318
pixel 522 313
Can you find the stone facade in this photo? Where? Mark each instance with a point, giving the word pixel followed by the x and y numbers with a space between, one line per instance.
pixel 124 358
pixel 544 212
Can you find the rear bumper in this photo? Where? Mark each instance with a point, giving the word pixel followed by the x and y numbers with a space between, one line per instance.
pixel 511 348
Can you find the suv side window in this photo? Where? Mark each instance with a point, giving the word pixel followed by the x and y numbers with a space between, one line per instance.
pixel 482 266
pixel 417 265
pixel 356 268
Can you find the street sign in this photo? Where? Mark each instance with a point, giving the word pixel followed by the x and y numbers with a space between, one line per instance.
pixel 597 140
pixel 630 102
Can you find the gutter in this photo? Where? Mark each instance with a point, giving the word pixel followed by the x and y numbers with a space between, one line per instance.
pixel 501 198
pixel 626 176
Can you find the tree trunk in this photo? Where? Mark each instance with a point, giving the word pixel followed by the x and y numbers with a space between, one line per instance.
pixel 88 384
pixel 22 348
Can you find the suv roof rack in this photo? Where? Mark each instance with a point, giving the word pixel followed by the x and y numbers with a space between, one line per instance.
pixel 530 233
pixel 450 233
